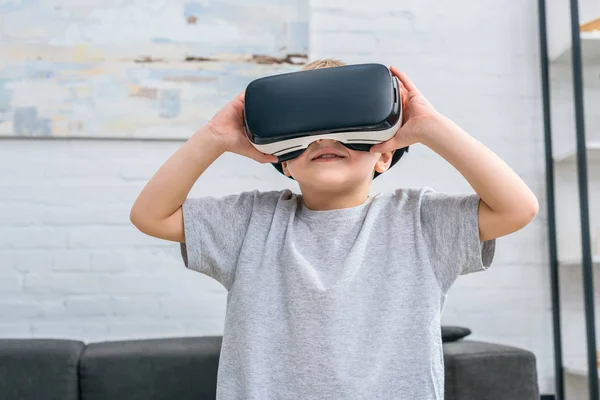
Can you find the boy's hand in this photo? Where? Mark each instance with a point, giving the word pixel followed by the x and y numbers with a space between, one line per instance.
pixel 417 113
pixel 228 128
pixel 506 203
pixel 158 209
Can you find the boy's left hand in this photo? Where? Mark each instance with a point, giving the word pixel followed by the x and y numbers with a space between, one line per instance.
pixel 417 112
pixel 506 203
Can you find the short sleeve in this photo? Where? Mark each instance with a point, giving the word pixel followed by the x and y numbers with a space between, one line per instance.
pixel 215 230
pixel 450 228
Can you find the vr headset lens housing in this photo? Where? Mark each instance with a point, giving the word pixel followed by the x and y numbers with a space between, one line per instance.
pixel 357 105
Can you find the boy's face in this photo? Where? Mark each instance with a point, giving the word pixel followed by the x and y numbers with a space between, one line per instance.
pixel 329 165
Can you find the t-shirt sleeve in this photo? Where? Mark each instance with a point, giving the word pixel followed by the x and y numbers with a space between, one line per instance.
pixel 215 230
pixel 450 228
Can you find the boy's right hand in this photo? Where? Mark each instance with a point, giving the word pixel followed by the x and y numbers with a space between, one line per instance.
pixel 158 209
pixel 228 128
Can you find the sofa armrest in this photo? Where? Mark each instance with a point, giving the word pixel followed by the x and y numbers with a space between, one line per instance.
pixel 32 369
pixel 477 370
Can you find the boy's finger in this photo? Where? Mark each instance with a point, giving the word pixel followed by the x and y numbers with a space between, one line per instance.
pixel 257 155
pixel 397 142
pixel 410 86
pixel 271 158
pixel 384 147
pixel 241 97
pixel 263 158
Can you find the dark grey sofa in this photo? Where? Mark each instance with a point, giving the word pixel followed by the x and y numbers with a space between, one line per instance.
pixel 186 369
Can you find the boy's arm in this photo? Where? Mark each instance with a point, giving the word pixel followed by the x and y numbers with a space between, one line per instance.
pixel 157 210
pixel 506 203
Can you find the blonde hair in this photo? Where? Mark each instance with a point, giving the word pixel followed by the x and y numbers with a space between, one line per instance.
pixel 323 63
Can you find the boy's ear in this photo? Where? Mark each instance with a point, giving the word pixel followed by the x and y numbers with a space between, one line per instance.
pixel 286 171
pixel 384 162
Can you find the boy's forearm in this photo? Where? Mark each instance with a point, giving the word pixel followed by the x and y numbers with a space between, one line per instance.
pixel 498 186
pixel 166 191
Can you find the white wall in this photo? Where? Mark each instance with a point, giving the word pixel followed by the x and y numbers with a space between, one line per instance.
pixel 73 266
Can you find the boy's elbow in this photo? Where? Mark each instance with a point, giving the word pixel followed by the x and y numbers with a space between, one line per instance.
pixel 142 223
pixel 532 209
pixel 134 217
pixel 535 208
pixel 170 228
pixel 527 212
pixel 494 225
pixel 137 218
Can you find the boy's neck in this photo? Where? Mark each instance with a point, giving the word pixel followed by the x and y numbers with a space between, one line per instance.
pixel 318 200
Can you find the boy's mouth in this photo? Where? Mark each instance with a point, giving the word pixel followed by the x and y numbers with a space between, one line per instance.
pixel 326 155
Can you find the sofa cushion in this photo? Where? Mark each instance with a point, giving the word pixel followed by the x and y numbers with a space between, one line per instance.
pixel 178 368
pixel 477 370
pixel 454 333
pixel 33 369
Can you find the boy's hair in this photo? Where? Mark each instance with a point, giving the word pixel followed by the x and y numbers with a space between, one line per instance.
pixel 323 63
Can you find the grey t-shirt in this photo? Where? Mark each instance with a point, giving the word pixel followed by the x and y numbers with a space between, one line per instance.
pixel 340 304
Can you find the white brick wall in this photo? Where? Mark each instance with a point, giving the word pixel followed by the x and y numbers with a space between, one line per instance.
pixel 73 266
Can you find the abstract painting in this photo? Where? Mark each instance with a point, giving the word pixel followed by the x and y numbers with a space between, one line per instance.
pixel 137 68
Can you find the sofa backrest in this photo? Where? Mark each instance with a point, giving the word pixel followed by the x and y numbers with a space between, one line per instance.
pixel 179 368
pixel 39 369
pixel 186 369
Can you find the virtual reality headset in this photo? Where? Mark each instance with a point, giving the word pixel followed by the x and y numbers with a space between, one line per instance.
pixel 357 105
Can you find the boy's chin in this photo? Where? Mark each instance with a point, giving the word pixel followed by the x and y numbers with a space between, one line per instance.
pixel 330 180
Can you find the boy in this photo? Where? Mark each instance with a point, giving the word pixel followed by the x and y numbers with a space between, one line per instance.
pixel 335 294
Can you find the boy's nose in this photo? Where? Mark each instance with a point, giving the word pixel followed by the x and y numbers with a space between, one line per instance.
pixel 325 140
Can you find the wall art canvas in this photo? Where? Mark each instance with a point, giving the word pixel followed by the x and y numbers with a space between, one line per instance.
pixel 137 68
